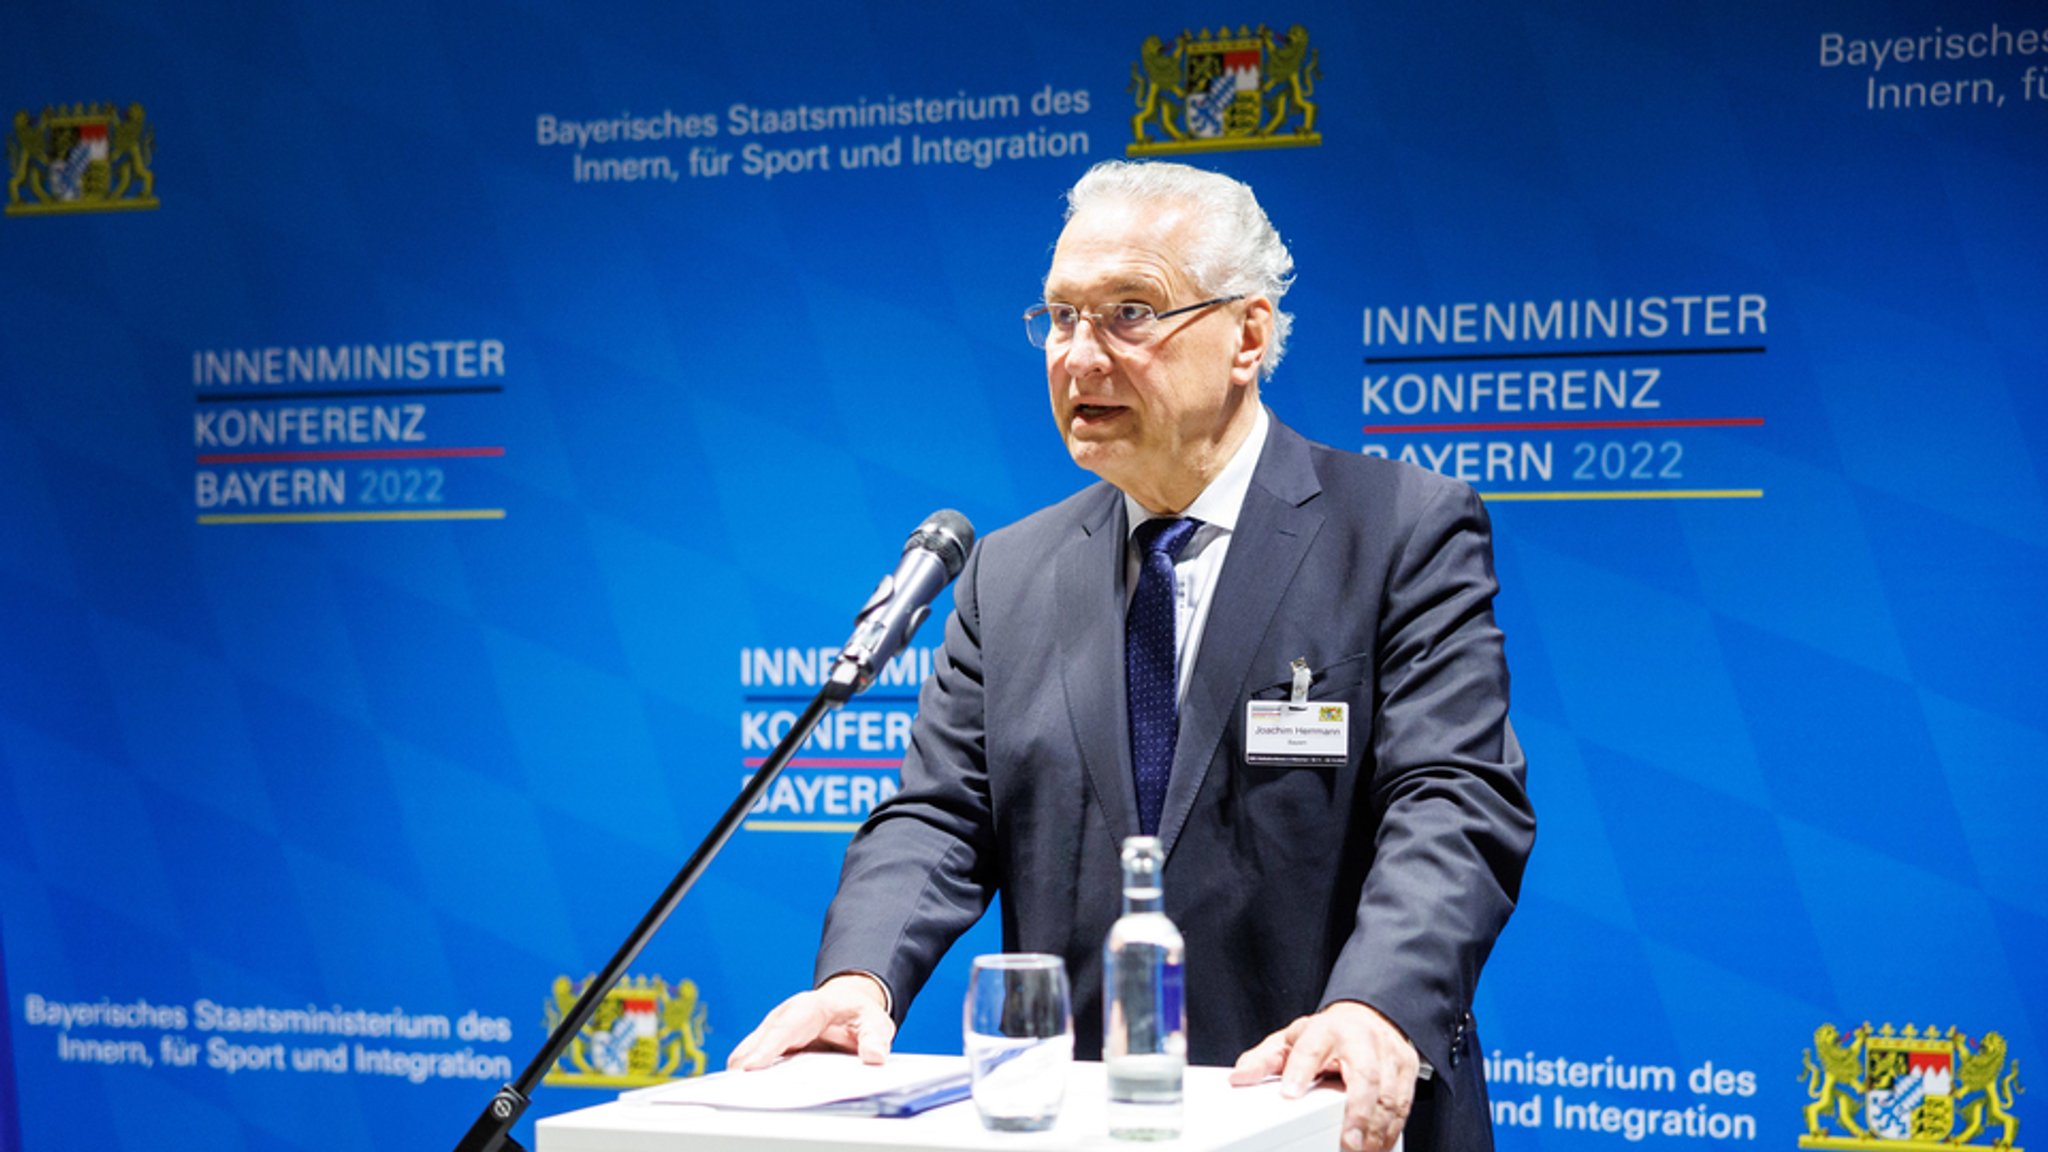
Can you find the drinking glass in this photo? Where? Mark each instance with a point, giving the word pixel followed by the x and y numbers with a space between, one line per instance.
pixel 1019 1034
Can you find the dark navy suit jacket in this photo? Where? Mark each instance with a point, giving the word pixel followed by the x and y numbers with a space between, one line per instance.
pixel 1384 881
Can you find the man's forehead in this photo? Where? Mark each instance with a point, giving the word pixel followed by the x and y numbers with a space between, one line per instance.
pixel 1120 246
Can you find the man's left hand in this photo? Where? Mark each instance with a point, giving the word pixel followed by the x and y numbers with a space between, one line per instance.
pixel 1359 1046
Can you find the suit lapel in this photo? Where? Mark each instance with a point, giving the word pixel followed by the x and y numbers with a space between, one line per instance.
pixel 1274 531
pixel 1090 628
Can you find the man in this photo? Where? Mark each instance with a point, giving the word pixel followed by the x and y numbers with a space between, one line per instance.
pixel 1340 912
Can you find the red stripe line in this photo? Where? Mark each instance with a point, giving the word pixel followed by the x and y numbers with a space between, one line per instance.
pixel 817 762
pixel 349 454
pixel 1572 425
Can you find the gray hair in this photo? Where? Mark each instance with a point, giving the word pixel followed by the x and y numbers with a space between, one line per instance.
pixel 1235 251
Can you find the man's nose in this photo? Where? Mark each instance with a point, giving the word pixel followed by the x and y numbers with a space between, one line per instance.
pixel 1087 354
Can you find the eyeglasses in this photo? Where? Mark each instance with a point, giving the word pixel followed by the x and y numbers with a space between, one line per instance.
pixel 1127 323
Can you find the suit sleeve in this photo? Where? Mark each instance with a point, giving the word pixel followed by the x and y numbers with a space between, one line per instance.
pixel 917 874
pixel 1454 822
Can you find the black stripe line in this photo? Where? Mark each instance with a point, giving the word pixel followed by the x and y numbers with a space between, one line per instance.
pixel 1601 353
pixel 348 393
pixel 871 698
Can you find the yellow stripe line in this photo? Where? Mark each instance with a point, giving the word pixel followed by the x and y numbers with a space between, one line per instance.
pixel 799 826
pixel 1649 494
pixel 350 517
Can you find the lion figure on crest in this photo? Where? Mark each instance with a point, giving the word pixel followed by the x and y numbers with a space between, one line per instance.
pixel 1978 1073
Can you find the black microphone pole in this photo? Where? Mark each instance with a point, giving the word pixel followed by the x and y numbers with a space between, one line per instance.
pixel 947 536
pixel 493 1130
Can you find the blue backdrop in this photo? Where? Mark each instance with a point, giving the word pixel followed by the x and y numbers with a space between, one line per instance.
pixel 435 440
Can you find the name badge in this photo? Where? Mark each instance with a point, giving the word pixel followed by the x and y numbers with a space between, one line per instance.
pixel 1281 734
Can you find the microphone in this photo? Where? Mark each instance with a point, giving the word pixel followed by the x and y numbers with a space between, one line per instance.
pixel 932 556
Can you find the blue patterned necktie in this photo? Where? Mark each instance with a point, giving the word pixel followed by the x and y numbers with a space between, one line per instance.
pixel 1149 672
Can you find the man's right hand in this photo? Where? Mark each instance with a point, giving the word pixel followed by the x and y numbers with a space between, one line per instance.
pixel 848 1013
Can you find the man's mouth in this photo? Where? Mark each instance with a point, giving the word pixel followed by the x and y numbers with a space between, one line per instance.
pixel 1097 411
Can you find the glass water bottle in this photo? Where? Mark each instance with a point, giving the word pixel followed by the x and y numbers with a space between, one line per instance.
pixel 1145 1026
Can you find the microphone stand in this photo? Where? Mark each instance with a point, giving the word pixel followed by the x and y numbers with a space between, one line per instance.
pixel 492 1131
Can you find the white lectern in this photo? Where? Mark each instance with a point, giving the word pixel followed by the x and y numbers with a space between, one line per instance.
pixel 1219 1119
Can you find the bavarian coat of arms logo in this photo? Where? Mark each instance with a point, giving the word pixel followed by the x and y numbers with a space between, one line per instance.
pixel 1221 90
pixel 80 158
pixel 1909 1090
pixel 644 1032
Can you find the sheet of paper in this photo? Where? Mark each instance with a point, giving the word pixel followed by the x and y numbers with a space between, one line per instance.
pixel 802 1081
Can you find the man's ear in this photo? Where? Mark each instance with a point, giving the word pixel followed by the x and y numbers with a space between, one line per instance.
pixel 1254 341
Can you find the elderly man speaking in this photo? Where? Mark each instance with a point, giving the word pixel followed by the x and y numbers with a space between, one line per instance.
pixel 1337 916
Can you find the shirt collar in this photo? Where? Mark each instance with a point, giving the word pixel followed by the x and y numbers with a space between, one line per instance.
pixel 1219 503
